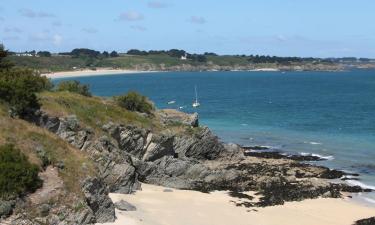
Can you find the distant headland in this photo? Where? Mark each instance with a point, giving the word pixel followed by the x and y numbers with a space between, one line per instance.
pixel 177 60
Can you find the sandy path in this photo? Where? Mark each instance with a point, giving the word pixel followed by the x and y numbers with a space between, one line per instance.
pixel 155 207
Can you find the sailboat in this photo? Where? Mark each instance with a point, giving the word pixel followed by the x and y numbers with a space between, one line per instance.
pixel 196 103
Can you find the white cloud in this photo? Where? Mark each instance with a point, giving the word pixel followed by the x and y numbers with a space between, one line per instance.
pixel 138 28
pixel 57 39
pixel 197 20
pixel 281 38
pixel 157 4
pixel 46 37
pixel 131 16
pixel 32 14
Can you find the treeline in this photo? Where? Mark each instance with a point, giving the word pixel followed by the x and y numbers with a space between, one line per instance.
pixel 176 53
pixel 85 52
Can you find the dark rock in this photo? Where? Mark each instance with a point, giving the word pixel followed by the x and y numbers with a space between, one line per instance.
pixel 125 206
pixel 369 221
pixel 167 190
pixel 44 210
pixel 332 174
pixel 6 208
pixel 85 217
pixel 278 155
pixel 97 199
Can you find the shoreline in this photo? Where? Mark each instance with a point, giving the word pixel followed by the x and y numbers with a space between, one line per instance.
pixel 158 205
pixel 90 73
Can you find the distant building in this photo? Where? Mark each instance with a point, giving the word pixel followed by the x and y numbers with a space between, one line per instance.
pixel 24 54
pixel 184 57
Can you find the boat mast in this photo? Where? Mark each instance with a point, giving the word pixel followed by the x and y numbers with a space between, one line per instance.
pixel 196 94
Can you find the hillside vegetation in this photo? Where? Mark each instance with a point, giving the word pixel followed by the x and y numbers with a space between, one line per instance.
pixel 175 60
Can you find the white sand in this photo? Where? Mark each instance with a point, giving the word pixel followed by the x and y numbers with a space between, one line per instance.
pixel 155 207
pixel 86 73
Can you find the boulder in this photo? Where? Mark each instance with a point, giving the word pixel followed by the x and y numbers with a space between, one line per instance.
pixel 6 208
pixel 97 199
pixel 171 116
pixel 125 206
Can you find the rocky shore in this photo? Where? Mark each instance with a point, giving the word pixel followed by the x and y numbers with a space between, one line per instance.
pixel 127 155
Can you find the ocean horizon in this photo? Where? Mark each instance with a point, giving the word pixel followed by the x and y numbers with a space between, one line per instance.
pixel 328 114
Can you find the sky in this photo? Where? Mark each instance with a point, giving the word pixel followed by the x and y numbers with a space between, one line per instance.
pixel 317 28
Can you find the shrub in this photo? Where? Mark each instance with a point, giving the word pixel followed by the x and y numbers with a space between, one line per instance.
pixel 17 175
pixel 18 88
pixel 135 102
pixel 74 86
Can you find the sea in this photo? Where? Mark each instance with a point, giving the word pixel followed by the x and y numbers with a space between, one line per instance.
pixel 328 114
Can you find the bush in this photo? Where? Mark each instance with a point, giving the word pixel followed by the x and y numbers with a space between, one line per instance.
pixel 17 175
pixel 74 86
pixel 18 88
pixel 135 102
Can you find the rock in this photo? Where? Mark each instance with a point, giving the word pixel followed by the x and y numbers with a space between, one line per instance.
pixel 203 146
pixel 158 147
pixel 44 210
pixel 97 199
pixel 85 217
pixel 171 116
pixel 167 190
pixel 369 221
pixel 6 208
pixel 122 178
pixel 125 206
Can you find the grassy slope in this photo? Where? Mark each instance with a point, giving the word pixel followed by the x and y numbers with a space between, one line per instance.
pixel 28 138
pixel 92 111
pixel 46 64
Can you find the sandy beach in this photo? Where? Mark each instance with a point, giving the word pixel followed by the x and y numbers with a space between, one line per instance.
pixel 87 73
pixel 155 206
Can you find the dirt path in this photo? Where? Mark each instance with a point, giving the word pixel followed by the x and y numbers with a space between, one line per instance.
pixel 52 184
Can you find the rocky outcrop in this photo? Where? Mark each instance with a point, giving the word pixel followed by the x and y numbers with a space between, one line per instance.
pixel 127 155
pixel 369 221
pixel 96 195
pixel 171 116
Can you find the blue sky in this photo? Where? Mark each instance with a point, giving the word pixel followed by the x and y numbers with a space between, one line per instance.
pixel 322 28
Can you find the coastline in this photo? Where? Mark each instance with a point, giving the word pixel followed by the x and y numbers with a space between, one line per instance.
pixel 89 73
pixel 157 205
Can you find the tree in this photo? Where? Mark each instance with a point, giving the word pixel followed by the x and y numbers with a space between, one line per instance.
pixel 44 54
pixel 114 54
pixel 105 54
pixel 75 87
pixel 18 87
pixel 134 101
pixel 4 63
pixel 136 52
pixel 84 52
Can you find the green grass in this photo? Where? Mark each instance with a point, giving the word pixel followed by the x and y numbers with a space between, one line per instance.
pixel 29 138
pixel 66 63
pixel 49 64
pixel 92 111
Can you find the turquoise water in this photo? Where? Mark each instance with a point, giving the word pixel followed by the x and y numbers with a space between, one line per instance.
pixel 327 113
